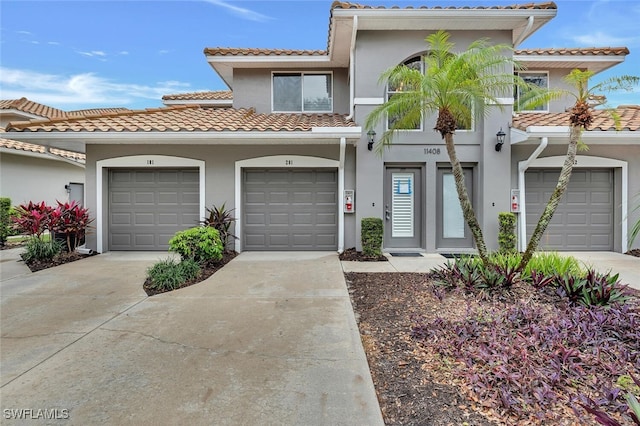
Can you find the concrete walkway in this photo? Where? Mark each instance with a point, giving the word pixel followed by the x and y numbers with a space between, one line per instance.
pixel 627 266
pixel 269 339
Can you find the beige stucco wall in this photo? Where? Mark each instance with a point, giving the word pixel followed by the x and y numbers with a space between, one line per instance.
pixel 219 169
pixel 25 178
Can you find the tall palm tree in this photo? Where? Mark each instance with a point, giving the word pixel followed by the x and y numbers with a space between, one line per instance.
pixel 580 118
pixel 455 86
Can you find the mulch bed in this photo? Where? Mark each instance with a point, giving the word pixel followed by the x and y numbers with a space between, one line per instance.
pixel 60 259
pixel 634 252
pixel 206 271
pixel 408 392
pixel 357 256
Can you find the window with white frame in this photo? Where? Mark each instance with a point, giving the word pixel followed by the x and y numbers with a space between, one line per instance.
pixel 417 63
pixel 539 79
pixel 302 92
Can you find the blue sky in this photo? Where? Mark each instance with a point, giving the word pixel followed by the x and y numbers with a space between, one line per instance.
pixel 88 54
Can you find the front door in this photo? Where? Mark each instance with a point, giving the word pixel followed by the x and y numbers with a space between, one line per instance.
pixel 403 207
pixel 453 231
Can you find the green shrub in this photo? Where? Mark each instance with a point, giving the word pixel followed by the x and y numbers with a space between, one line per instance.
pixel 507 232
pixel 552 263
pixel 371 236
pixel 38 249
pixel 200 244
pixel 5 219
pixel 170 274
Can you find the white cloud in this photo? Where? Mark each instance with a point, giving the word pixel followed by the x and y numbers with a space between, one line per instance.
pixel 600 38
pixel 99 53
pixel 53 43
pixel 24 32
pixel 163 51
pixel 123 52
pixel 240 11
pixel 80 90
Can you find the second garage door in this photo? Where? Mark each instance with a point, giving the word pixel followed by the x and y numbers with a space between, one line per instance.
pixel 290 209
pixel 148 206
pixel 584 218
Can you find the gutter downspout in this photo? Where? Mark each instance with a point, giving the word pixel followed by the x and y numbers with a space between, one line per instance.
pixel 343 143
pixel 522 167
pixel 524 32
pixel 352 56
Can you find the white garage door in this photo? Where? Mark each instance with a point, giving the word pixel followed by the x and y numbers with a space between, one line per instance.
pixel 290 209
pixel 148 206
pixel 584 218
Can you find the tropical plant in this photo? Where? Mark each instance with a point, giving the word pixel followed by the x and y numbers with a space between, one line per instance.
pixel 169 274
pixel 456 86
pixel 33 218
pixel 201 244
pixel 580 118
pixel 39 249
pixel 551 264
pixel 221 219
pixel 507 232
pixel 635 228
pixel 70 220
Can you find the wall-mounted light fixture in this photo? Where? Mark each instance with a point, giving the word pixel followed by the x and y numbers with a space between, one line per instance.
pixel 371 134
pixel 500 137
pixel 68 188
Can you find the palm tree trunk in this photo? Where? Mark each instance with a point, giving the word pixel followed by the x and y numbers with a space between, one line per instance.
pixel 465 203
pixel 552 205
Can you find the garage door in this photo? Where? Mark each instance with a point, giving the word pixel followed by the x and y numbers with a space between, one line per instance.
pixel 147 207
pixel 293 209
pixel 584 218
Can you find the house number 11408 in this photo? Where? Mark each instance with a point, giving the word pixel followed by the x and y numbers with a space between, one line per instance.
pixel 432 151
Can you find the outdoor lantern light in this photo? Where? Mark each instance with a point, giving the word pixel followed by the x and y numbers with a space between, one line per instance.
pixel 372 135
pixel 500 137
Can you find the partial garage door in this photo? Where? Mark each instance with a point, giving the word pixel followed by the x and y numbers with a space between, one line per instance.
pixel 148 206
pixel 292 209
pixel 584 218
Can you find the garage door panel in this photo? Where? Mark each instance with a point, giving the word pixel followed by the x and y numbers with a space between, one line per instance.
pixel 289 209
pixel 147 207
pixel 584 218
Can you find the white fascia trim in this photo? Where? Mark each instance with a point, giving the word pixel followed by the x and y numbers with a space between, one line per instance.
pixel 564 131
pixel 368 101
pixel 343 143
pixel 518 136
pixel 269 59
pixel 586 161
pixel 437 14
pixel 126 137
pixel 26 115
pixel 226 102
pixel 272 161
pixel 42 156
pixel 567 58
pixel 141 161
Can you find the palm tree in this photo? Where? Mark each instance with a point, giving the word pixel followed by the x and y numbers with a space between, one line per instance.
pixel 580 118
pixel 455 86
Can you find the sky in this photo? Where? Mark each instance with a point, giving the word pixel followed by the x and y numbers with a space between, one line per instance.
pixel 123 53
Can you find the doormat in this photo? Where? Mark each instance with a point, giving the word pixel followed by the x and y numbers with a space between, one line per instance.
pixel 456 255
pixel 405 254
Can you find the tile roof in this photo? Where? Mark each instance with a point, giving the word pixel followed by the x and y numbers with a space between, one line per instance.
pixel 526 6
pixel 40 149
pixel 220 95
pixel 185 118
pixel 232 51
pixel 31 107
pixel 629 119
pixel 94 111
pixel 575 51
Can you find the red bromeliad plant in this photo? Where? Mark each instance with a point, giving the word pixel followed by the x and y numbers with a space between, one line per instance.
pixel 33 218
pixel 70 220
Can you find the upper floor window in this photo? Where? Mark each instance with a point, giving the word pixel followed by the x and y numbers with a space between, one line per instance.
pixel 539 79
pixel 302 92
pixel 417 63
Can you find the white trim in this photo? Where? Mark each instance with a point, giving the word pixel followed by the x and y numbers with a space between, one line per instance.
pixel 141 161
pixel 587 161
pixel 192 137
pixel 502 101
pixel 368 101
pixel 567 58
pixel 343 144
pixel 42 156
pixel 274 161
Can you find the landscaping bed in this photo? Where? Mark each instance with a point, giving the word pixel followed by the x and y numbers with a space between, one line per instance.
pixel 434 360
pixel 60 259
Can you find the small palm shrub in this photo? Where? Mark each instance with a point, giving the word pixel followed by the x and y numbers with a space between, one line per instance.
pixel 552 263
pixel 5 219
pixel 221 219
pixel 507 232
pixel 201 244
pixel 170 274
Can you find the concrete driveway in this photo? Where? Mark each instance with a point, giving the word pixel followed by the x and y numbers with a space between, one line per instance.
pixel 269 339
